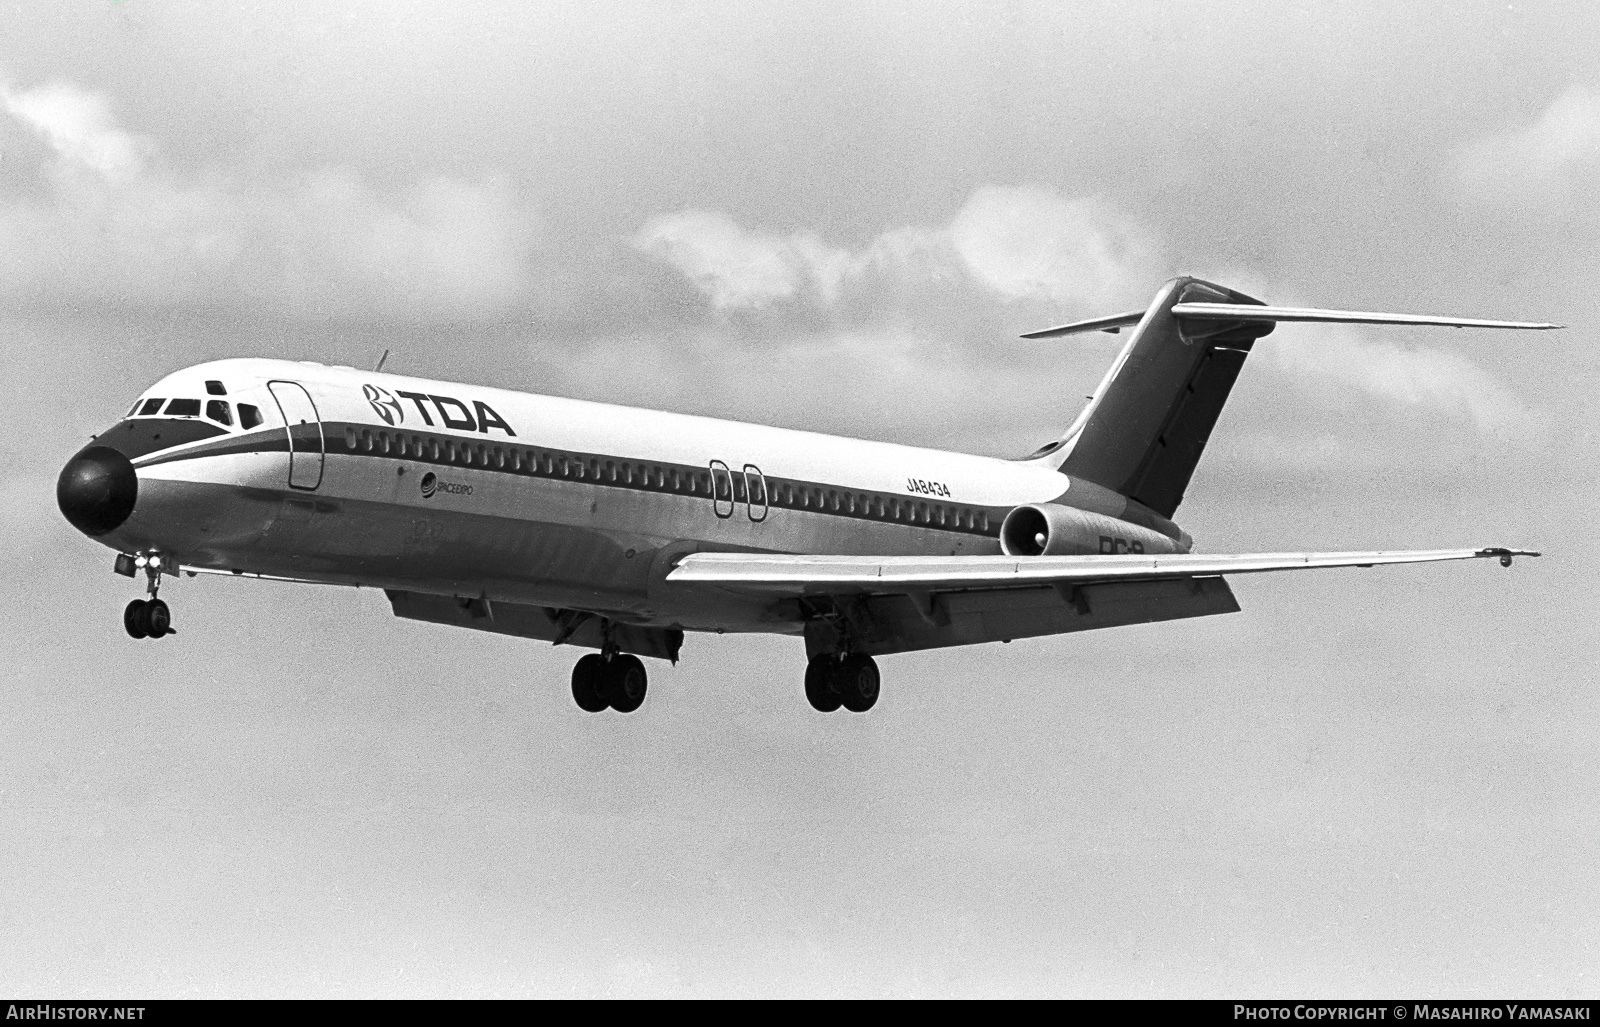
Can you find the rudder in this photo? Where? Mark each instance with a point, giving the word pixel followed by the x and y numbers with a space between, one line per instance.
pixel 1144 431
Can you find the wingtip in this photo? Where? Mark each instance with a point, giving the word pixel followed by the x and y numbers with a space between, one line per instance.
pixel 1505 555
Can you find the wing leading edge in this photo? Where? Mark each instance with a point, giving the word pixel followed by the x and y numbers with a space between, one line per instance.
pixel 779 574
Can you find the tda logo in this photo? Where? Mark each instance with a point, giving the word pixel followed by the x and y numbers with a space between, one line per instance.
pixel 453 413
pixel 385 404
pixel 430 483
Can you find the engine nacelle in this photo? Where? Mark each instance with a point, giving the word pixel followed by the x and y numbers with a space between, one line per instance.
pixel 1050 529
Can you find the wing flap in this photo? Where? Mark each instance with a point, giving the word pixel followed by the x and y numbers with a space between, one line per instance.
pixel 779 574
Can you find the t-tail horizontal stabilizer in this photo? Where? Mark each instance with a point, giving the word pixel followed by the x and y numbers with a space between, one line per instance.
pixel 1145 427
pixel 1247 312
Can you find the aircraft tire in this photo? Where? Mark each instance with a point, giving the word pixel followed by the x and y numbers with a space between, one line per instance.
pixel 629 681
pixel 133 619
pixel 819 684
pixel 157 619
pixel 588 677
pixel 856 680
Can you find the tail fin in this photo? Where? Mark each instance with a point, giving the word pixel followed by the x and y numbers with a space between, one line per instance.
pixel 1144 429
pixel 1146 425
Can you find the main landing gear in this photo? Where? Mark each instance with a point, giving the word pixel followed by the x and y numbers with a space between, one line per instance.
pixel 146 618
pixel 842 679
pixel 613 679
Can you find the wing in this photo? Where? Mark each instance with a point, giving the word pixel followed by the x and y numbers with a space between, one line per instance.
pixel 783 575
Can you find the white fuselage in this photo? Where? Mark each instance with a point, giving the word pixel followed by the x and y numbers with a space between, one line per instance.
pixel 463 490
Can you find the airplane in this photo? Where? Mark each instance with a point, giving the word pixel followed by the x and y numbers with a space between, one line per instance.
pixel 619 529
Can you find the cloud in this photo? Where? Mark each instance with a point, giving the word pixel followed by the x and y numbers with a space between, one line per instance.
pixel 78 126
pixel 733 267
pixel 1338 364
pixel 111 229
pixel 1009 242
pixel 1033 243
pixel 1554 159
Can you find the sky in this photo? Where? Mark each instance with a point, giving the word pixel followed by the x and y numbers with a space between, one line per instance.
pixel 833 216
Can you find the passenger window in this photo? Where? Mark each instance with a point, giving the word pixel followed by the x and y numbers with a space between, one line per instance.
pixel 151 406
pixel 249 416
pixel 215 389
pixel 183 408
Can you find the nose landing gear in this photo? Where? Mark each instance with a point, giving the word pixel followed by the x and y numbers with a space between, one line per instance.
pixel 147 618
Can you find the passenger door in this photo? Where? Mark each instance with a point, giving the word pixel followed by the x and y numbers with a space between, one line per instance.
pixel 304 430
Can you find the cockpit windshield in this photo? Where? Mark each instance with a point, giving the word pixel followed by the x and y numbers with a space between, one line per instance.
pixel 219 411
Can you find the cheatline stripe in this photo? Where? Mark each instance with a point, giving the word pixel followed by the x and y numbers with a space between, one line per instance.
pixel 601 470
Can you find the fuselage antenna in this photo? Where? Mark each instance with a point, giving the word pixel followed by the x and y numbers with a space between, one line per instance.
pixel 381 359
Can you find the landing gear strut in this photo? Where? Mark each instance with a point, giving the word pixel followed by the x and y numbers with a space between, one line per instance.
pixel 613 679
pixel 146 618
pixel 842 679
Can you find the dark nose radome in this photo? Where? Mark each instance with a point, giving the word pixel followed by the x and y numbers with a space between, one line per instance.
pixel 97 490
